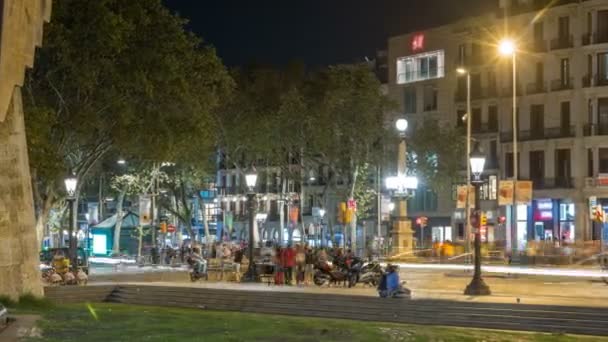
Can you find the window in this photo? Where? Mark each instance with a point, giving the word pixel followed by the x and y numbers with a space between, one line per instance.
pixel 491 83
pixel 565 71
pixel 538 34
pixel 602 68
pixel 537 120
pixel 476 52
pixel 430 98
pixel 540 75
pixel 493 156
pixel 602 26
pixel 409 99
pixel 537 166
pixel 476 86
pixel 603 160
pixel 476 120
pixel 509 164
pixel 565 118
pixel 420 67
pixel 460 119
pixel 493 118
pixel 462 55
pixel 602 115
pixel 589 162
pixel 564 28
pixel 562 164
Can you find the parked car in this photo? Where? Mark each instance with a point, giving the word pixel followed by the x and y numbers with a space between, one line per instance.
pixel 46 257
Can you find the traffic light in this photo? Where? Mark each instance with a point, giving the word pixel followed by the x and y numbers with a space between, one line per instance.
pixel 502 219
pixel 422 221
pixel 163 227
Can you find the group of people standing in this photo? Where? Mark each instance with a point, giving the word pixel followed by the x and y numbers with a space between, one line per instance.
pixel 293 265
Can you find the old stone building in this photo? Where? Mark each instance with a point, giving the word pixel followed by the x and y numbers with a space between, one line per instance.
pixel 21 31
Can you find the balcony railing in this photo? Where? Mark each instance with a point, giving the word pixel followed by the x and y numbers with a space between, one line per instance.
pixel 509 91
pixel 562 84
pixel 595 129
pixel 595 38
pixel 562 43
pixel 536 88
pixel 540 134
pixel 594 81
pixel 539 46
pixel 485 128
pixel 553 183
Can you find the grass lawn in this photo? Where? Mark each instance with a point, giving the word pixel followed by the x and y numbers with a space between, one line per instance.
pixel 117 322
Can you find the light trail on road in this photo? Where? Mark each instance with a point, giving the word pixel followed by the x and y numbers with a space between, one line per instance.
pixel 520 270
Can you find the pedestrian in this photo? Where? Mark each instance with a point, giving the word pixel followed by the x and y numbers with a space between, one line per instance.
pixel 279 275
pixel 309 269
pixel 238 259
pixel 300 264
pixel 219 251
pixel 289 263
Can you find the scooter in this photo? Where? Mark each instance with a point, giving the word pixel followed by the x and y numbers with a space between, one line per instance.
pixel 371 274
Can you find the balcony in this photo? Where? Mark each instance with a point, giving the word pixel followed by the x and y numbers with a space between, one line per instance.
pixel 540 134
pixel 562 43
pixel 594 38
pixel 536 88
pixel 553 183
pixel 594 81
pixel 590 130
pixel 586 81
pixel 485 128
pixel 509 91
pixel 562 84
pixel 539 46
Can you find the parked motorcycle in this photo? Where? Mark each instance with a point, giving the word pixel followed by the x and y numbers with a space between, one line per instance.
pixel 371 274
pixel 326 274
pixel 194 273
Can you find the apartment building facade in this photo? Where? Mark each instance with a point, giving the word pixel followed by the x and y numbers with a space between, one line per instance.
pixel 562 111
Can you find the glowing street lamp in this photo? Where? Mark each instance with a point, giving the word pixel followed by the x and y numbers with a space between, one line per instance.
pixel 507 47
pixel 477 287
pixel 71 182
pixel 251 180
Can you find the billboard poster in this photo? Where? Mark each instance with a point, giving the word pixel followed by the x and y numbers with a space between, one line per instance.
pixel 505 192
pixel 524 192
pixel 145 210
pixel 461 197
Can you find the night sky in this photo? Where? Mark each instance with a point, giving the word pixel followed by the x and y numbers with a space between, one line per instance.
pixel 316 32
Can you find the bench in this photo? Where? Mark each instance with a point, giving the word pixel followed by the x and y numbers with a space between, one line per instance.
pixel 217 268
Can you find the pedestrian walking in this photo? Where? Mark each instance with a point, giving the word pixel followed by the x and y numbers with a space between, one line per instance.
pixel 300 264
pixel 279 275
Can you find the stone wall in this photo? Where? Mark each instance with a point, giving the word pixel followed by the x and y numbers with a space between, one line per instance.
pixel 21 31
pixel 19 271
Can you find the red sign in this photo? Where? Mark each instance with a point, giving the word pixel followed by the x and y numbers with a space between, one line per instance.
pixel 418 42
pixel 171 228
pixel 352 204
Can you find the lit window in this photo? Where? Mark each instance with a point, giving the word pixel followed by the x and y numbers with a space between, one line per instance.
pixel 424 66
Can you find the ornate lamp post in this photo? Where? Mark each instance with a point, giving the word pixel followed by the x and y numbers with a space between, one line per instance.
pixel 251 179
pixel 401 187
pixel 477 287
pixel 70 187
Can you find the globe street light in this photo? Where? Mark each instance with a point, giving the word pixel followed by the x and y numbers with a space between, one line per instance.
pixel 251 180
pixel 71 183
pixel 507 47
pixel 477 287
pixel 400 186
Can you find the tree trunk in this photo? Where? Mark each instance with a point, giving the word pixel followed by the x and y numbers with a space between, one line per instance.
pixel 119 216
pixel 281 205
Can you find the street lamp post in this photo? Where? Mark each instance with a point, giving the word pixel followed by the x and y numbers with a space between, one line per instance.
pixel 463 71
pixel 251 180
pixel 507 47
pixel 70 186
pixel 477 287
pixel 401 185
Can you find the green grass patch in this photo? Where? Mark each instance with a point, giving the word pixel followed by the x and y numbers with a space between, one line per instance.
pixel 117 322
pixel 26 302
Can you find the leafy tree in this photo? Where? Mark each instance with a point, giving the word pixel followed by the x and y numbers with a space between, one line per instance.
pixel 116 74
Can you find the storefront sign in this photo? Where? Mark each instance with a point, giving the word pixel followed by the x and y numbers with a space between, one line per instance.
pixel 461 198
pixel 544 210
pixel 505 192
pixel 418 42
pixel 524 192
